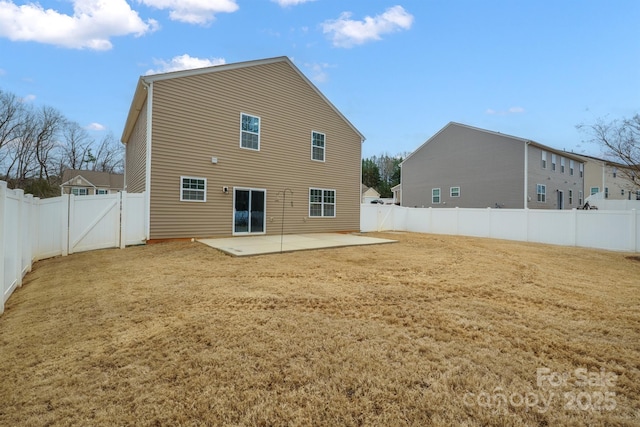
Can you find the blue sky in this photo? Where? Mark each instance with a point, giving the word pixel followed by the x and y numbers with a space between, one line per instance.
pixel 399 70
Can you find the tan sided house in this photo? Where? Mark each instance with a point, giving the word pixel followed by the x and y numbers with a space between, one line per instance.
pixel 241 149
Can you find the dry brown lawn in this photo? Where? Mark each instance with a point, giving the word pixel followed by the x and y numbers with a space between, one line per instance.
pixel 432 330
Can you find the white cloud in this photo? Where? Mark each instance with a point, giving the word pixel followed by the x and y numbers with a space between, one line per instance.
pixel 2 72
pixel 285 3
pixel 95 126
pixel 318 71
pixel 91 26
pixel 28 98
pixel 184 62
pixel 193 11
pixel 346 32
pixel 511 110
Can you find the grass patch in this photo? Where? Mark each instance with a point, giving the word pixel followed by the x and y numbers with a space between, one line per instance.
pixel 419 332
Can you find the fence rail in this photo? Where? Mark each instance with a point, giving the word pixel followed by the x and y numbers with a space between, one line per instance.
pixel 601 229
pixel 32 229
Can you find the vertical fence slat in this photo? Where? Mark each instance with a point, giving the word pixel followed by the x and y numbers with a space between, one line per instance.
pixel 3 237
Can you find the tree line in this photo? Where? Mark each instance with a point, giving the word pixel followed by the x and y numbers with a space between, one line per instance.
pixel 37 144
pixel 382 173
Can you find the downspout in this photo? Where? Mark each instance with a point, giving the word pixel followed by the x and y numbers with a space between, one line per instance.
pixel 604 167
pixel 147 179
pixel 526 173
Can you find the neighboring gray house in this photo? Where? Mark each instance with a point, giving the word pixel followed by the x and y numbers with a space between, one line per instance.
pixel 467 167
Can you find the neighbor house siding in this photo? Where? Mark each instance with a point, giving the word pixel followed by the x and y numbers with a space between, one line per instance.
pixel 135 156
pixel 554 181
pixel 197 117
pixel 487 167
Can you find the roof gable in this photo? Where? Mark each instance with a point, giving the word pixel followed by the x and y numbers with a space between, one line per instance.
pixel 140 95
pixel 503 135
pixel 76 177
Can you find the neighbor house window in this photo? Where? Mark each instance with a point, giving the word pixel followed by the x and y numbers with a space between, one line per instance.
pixel 570 197
pixel 79 191
pixel 580 198
pixel 637 194
pixel 553 162
pixel 435 195
pixel 193 189
pixel 606 192
pixel 454 192
pixel 595 190
pixel 250 131
pixel 322 202
pixel 581 167
pixel 622 192
pixel 562 164
pixel 615 172
pixel 102 191
pixel 317 146
pixel 571 167
pixel 541 191
pixel 544 159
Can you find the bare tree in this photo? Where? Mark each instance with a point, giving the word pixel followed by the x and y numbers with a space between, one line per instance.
pixel 49 124
pixel 620 141
pixel 109 155
pixel 11 117
pixel 76 146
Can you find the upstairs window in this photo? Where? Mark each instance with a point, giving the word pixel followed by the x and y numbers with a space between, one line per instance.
pixel 561 164
pixel 317 146
pixel 570 197
pixel 615 172
pixel 553 162
pixel 249 132
pixel 581 167
pixel 571 165
pixel 544 159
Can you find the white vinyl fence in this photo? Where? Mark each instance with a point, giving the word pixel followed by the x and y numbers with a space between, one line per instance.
pixel 602 229
pixel 32 229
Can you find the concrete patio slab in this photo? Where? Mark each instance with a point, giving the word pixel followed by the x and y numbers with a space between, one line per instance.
pixel 260 245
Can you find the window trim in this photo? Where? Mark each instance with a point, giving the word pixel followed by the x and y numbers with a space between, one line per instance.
pixel 544 159
pixel 553 162
pixel 581 167
pixel 451 192
pixel 571 166
pixel 541 195
pixel 562 163
pixel 204 191
pixel 324 146
pixel 249 132
pixel 322 203
pixel 433 196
